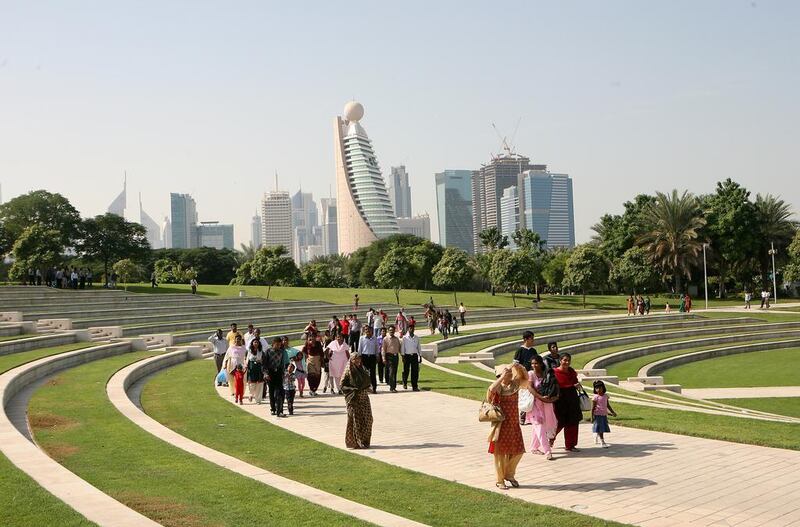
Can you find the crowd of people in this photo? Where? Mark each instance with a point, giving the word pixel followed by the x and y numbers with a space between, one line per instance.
pixel 545 392
pixel 443 321
pixel 61 277
pixel 348 358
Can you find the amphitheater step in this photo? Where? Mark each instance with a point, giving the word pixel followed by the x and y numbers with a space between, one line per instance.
pixel 652 379
pixel 592 372
pixel 612 379
pixel 655 387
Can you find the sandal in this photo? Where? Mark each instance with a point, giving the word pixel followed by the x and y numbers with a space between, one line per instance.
pixel 537 452
pixel 514 483
pixel 501 486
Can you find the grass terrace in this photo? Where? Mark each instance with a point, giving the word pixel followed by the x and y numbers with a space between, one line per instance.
pixel 759 368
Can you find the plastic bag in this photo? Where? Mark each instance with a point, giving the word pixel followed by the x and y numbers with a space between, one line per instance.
pixel 525 401
pixel 222 377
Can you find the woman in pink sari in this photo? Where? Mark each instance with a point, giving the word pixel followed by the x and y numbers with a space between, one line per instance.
pixel 541 416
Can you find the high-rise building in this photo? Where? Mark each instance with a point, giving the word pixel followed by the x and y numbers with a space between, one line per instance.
pixel 330 236
pixel 255 231
pixel 120 203
pixel 418 226
pixel 276 220
pixel 488 184
pixel 153 229
pixel 509 214
pixel 400 192
pixel 454 209
pixel 184 221
pixel 166 233
pixel 305 220
pixel 216 235
pixel 545 206
pixel 364 211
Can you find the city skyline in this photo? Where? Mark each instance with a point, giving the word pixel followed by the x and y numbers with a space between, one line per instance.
pixel 627 98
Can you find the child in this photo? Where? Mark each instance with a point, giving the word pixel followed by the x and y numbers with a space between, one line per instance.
pixel 300 372
pixel 455 326
pixel 238 384
pixel 600 410
pixel 667 309
pixel 288 385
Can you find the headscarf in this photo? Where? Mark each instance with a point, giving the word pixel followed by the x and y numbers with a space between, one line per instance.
pixel 354 379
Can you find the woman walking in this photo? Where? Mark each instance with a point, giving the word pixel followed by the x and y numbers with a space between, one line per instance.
pixel 340 354
pixel 567 407
pixel 235 356
pixel 506 442
pixel 255 371
pixel 356 385
pixel 542 416
pixel 314 357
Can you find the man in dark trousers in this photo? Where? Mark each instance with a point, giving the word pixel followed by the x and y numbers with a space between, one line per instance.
pixel 368 348
pixel 524 356
pixel 390 355
pixel 412 356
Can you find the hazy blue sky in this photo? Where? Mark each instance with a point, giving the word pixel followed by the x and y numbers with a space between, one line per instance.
pixel 211 98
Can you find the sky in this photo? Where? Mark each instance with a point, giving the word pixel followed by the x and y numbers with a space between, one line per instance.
pixel 212 98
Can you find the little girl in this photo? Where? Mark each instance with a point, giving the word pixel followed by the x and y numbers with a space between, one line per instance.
pixel 238 384
pixel 300 372
pixel 288 385
pixel 600 410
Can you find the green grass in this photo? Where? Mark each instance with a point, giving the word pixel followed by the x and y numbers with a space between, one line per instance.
pixel 22 499
pixel 777 405
pixel 758 368
pixel 424 498
pixel 15 337
pixel 76 424
pixel 471 369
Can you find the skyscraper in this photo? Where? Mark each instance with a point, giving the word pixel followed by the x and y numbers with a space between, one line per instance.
pixel 184 221
pixel 255 231
pixel 454 209
pixel 120 203
pixel 488 184
pixel 215 235
pixel 419 226
pixel 364 211
pixel 400 192
pixel 153 229
pixel 545 206
pixel 166 233
pixel 330 236
pixel 305 218
pixel 509 214
pixel 276 220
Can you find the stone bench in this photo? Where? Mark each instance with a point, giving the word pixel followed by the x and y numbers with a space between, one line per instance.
pixel 611 379
pixel 655 387
pixel 651 379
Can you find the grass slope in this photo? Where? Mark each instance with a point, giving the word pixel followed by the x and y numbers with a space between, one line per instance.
pixel 75 423
pixel 22 499
pixel 758 368
pixel 777 405
pixel 424 498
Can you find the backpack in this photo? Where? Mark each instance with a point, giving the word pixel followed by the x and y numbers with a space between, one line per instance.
pixel 549 386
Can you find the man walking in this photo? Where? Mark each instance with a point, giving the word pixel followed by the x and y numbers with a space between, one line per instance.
pixel 277 360
pixel 462 312
pixel 231 336
pixel 220 347
pixel 390 352
pixel 355 333
pixel 368 347
pixel 412 356
pixel 524 356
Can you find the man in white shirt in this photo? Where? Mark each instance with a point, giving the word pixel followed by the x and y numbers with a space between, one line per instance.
pixel 462 311
pixel 368 348
pixel 249 336
pixel 220 344
pixel 412 356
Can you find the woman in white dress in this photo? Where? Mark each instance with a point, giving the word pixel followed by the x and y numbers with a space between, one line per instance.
pixel 339 356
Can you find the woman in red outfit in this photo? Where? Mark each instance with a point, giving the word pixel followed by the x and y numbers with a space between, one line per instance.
pixel 506 443
pixel 567 407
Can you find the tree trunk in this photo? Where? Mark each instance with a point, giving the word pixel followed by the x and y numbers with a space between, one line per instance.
pixel 397 295
pixel 105 270
pixel 538 295
pixel 678 283
pixel 269 288
pixel 514 297
pixel 584 298
pixel 455 298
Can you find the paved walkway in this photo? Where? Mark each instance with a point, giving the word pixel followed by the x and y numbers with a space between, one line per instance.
pixel 646 478
pixel 742 393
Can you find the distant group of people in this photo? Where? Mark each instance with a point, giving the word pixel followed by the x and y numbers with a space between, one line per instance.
pixel 638 305
pixel 443 321
pixel 63 278
pixel 545 390
pixel 766 295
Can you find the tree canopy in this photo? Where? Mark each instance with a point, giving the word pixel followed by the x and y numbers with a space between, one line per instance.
pixel 110 237
pixel 50 211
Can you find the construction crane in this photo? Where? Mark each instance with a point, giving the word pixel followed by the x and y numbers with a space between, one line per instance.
pixel 506 145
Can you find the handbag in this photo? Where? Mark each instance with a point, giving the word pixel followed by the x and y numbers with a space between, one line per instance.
pixel 525 401
pixel 490 413
pixel 585 402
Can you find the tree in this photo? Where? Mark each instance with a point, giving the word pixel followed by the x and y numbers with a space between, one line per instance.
pixel 272 266
pixel 586 268
pixel 325 271
pixel 791 273
pixel 672 237
pixel 362 264
pixel 128 271
pixel 213 266
pixel 553 269
pixel 492 239
pixel 615 234
pixel 775 227
pixel 397 270
pixel 6 241
pixel 507 271
pixel 452 270
pixel 426 255
pixel 532 248
pixel 634 270
pixel 110 237
pixel 36 248
pixel 53 212
pixel 731 225
pixel 528 239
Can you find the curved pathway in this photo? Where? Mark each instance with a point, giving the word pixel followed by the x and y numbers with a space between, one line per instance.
pixel 646 478
pixel 120 389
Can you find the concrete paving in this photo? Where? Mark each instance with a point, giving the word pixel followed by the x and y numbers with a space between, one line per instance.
pixel 646 478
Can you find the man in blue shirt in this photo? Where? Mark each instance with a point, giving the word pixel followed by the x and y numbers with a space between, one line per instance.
pixel 368 347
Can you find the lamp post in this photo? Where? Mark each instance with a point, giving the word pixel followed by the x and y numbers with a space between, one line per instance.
pixel 705 274
pixel 772 252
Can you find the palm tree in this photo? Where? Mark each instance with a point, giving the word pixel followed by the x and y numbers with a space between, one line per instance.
pixel 672 237
pixel 775 227
pixel 493 239
pixel 246 254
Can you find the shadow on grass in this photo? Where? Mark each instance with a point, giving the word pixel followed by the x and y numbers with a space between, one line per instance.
pixel 613 484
